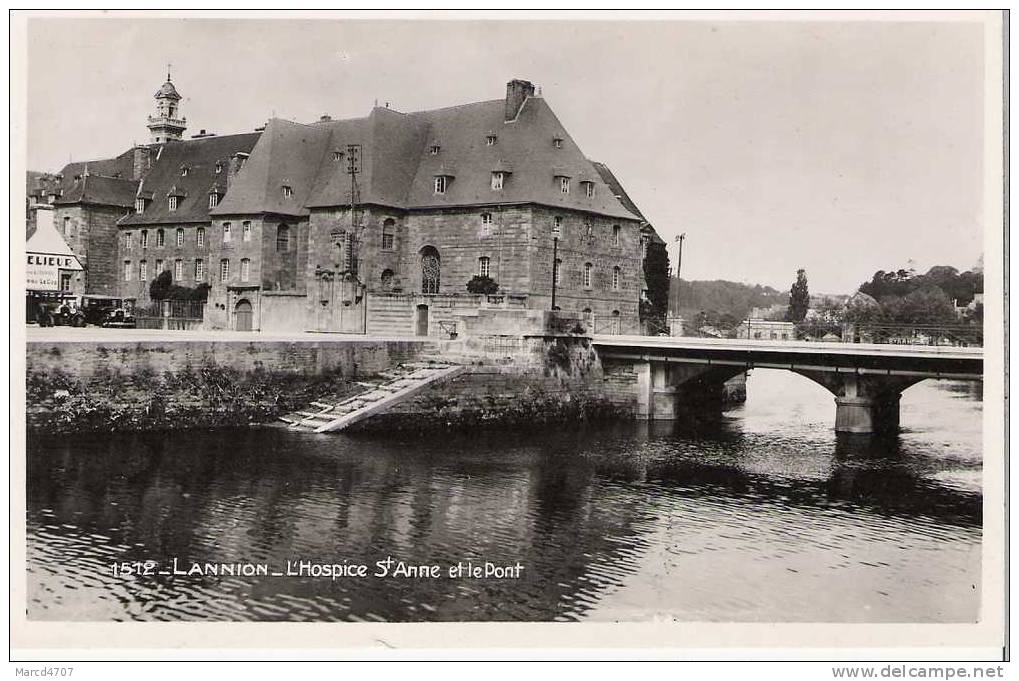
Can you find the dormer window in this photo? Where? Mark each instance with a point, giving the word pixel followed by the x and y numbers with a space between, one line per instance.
pixel 434 149
pixel 219 167
pixel 337 155
pixel 213 200
pixel 557 142
pixel 490 140
pixel 498 178
pixel 139 205
pixel 564 185
pixel 287 191
pixel 184 171
pixel 588 188
pixel 172 203
pixel 440 184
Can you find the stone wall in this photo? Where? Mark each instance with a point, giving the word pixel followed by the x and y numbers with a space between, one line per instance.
pixel 351 358
pixel 91 232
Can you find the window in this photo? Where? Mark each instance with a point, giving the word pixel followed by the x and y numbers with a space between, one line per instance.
pixel 564 185
pixel 588 270
pixel 388 237
pixel 139 205
pixel 199 269
pixel 589 189
pixel 557 142
pixel 490 140
pixel 246 231
pixel 145 238
pixel 67 225
pixel 245 269
pixel 486 224
pixel 615 313
pixel 219 167
pixel 224 270
pixel 282 239
pixel 616 229
pixel 200 236
pixel 213 200
pixel 287 192
pixel 183 169
pixel 557 226
pixel 497 181
pixel 589 229
pixel 159 267
pixel 127 270
pixel 484 266
pixel 644 239
pixel 430 270
pixel 143 270
pixel 160 238
pixel 440 184
pixel 173 203
pixel 434 149
pixel 178 269
pixel 226 232
pixel 616 273
pixel 128 241
pixel 557 273
pixel 180 237
pixel 337 155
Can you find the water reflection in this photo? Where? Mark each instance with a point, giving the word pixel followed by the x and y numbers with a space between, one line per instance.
pixel 757 517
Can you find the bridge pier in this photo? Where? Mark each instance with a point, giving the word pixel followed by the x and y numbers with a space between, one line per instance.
pixel 867 414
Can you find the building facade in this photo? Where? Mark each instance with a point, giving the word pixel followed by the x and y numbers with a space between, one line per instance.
pixel 371 225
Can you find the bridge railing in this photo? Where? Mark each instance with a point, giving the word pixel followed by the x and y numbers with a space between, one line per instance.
pixel 915 334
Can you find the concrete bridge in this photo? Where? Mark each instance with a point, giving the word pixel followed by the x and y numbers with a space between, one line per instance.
pixel 678 375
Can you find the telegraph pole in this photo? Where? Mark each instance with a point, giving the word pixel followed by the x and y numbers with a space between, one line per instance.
pixel 679 267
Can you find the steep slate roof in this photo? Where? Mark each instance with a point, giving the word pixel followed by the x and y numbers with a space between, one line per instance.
pixel 71 182
pixel 617 188
pixel 287 154
pixel 105 191
pixel 200 157
pixel 397 169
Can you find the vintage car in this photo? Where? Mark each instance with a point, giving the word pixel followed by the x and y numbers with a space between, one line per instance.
pixel 108 311
pixel 60 310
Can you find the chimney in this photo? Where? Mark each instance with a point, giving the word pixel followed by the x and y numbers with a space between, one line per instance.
pixel 142 162
pixel 516 92
pixel 236 161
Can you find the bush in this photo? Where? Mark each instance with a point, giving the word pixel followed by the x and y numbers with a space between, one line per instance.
pixel 480 284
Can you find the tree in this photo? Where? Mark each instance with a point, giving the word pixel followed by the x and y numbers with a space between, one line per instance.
pixel 799 298
pixel 656 274
pixel 482 284
pixel 163 288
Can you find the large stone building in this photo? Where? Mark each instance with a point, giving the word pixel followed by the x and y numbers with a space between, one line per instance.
pixel 288 237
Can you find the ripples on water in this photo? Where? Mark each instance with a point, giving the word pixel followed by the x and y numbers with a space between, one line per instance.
pixel 765 516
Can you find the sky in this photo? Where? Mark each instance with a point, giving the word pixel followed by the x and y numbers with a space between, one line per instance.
pixel 837 147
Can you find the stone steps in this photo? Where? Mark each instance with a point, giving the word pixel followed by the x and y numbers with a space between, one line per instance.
pixel 395 386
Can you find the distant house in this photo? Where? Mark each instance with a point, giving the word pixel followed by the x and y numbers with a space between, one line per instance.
pixel 766 329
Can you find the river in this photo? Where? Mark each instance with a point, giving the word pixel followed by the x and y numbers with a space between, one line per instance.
pixel 763 516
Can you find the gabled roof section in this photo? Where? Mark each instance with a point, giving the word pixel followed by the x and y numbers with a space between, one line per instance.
pixel 620 193
pixel 287 155
pixel 72 180
pixel 200 157
pixel 525 145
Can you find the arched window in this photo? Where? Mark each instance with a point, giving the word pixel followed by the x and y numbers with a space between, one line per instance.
pixel 178 269
pixel 588 271
pixel 224 270
pixel 430 270
pixel 388 234
pixel 484 266
pixel 200 235
pixel 387 280
pixel 160 238
pixel 145 238
pixel 143 270
pixel 180 237
pixel 245 269
pixel 282 239
pixel 616 229
pixel 616 273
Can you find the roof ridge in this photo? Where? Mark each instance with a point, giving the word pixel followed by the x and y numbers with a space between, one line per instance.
pixel 455 106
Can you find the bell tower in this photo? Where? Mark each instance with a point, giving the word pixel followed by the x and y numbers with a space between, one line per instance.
pixel 167 124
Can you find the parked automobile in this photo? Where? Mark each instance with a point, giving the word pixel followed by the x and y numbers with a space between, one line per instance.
pixel 108 311
pixel 61 310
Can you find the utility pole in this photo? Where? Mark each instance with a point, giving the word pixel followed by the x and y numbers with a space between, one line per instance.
pixel 679 268
pixel 353 168
pixel 555 265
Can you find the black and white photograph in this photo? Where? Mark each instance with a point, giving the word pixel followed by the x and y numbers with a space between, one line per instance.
pixel 622 319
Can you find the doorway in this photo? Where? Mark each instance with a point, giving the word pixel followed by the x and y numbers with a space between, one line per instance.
pixel 244 316
pixel 422 320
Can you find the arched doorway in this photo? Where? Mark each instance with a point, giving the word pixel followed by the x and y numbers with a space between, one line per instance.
pixel 430 270
pixel 242 312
